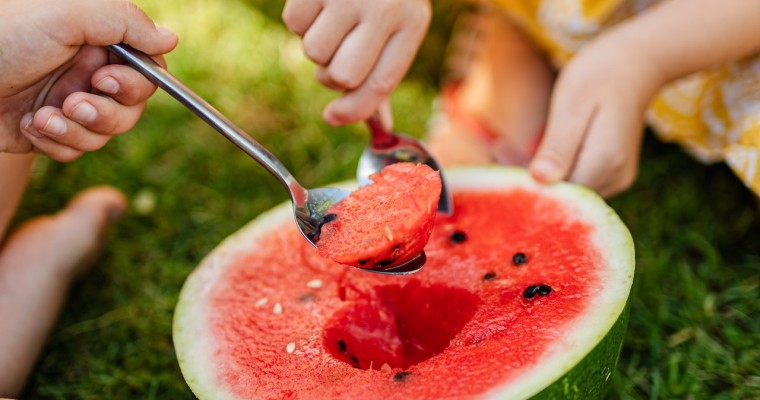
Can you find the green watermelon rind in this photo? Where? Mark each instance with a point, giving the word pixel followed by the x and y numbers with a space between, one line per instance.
pixel 579 367
pixel 591 378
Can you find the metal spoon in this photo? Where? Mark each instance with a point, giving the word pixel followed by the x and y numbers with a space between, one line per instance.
pixel 386 148
pixel 309 206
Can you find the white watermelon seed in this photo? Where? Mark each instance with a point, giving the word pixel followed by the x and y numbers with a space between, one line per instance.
pixel 290 348
pixel 261 302
pixel 388 233
pixel 314 284
pixel 277 309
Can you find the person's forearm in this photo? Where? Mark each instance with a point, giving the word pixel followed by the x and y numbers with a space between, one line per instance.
pixel 680 37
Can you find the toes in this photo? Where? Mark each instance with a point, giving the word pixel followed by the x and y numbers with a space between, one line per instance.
pixel 106 203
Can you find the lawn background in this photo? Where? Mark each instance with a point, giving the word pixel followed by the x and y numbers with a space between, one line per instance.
pixel 695 318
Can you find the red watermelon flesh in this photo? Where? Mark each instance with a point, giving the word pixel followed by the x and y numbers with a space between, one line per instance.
pixel 386 223
pixel 507 278
pixel 397 326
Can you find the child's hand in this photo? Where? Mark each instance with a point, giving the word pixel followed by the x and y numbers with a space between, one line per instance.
pixel 363 48
pixel 596 114
pixel 60 92
pixel 596 117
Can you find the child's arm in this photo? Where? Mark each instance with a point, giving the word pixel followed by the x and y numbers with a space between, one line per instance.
pixel 60 92
pixel 361 48
pixel 597 110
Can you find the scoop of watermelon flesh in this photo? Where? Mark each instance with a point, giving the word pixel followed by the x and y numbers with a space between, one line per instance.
pixel 398 326
pixel 384 224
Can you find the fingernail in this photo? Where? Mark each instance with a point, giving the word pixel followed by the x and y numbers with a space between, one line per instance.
pixel 108 85
pixel 26 125
pixel 164 31
pixel 545 171
pixel 55 126
pixel 330 118
pixel 84 113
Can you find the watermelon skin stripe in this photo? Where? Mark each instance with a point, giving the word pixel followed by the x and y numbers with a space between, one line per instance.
pixel 585 376
pixel 592 377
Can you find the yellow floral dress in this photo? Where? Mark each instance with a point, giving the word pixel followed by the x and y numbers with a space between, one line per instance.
pixel 714 114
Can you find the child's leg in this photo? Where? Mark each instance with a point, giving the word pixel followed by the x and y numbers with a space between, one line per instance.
pixel 504 91
pixel 38 263
pixel 15 170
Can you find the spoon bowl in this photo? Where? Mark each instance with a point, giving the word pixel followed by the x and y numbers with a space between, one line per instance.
pixel 309 206
pixel 386 148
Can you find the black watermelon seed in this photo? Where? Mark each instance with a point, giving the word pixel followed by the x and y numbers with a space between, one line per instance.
pixel 355 361
pixel 531 291
pixel 458 237
pixel 489 276
pixel 383 263
pixel 519 258
pixel 363 262
pixel 401 376
pixel 342 346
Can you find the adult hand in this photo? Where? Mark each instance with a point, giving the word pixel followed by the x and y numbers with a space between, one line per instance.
pixel 61 92
pixel 361 48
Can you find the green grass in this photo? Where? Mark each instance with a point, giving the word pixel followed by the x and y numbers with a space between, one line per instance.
pixel 695 318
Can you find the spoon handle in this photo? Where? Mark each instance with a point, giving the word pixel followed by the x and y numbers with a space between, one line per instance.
pixel 381 138
pixel 166 81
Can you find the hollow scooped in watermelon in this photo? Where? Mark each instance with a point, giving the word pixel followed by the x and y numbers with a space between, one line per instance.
pixel 386 223
pixel 524 295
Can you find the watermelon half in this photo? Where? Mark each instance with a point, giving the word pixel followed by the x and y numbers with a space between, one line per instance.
pixel 524 294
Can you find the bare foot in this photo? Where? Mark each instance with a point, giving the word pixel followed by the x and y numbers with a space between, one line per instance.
pixel 495 109
pixel 38 263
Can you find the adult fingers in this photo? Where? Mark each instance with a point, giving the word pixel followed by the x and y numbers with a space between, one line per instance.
pixel 396 57
pixel 113 21
pixel 298 15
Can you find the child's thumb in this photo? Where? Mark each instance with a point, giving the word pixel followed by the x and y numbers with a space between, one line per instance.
pixel 552 161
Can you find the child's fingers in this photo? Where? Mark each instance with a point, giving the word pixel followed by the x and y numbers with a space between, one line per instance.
pixel 123 84
pixel 101 114
pixel 567 124
pixel 358 54
pixel 298 15
pixel 323 76
pixel 51 124
pixel 85 123
pixel 325 35
pixel 391 67
pixel 51 148
pixel 608 160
